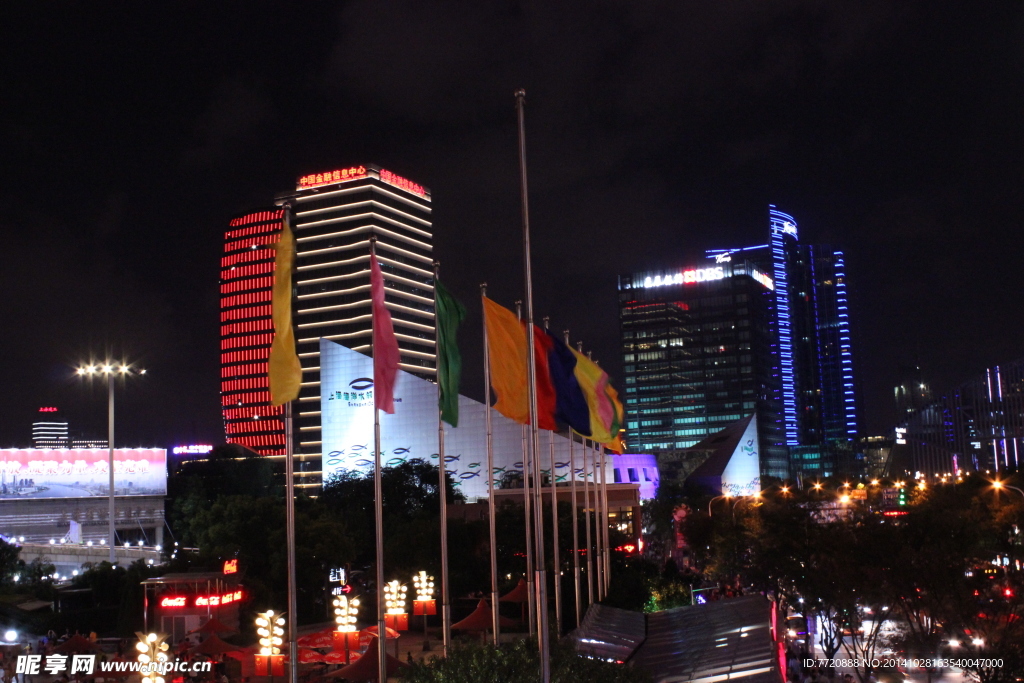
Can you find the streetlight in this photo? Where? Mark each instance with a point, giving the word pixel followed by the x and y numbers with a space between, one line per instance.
pixel 998 486
pixel 110 370
pixel 726 496
pixel 424 603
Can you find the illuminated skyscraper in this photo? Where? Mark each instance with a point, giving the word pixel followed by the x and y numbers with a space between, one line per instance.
pixel 802 375
pixel 246 331
pixel 336 213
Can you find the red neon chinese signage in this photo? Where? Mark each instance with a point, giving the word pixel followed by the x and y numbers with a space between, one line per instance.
pixel 48 409
pixel 201 600
pixel 399 181
pixel 231 566
pixel 340 175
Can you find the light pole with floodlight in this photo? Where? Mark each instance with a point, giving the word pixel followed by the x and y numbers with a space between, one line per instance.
pixel 110 370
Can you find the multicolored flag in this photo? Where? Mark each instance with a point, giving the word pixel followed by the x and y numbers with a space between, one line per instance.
pixel 385 344
pixel 570 403
pixel 506 355
pixel 284 372
pixel 606 412
pixel 448 314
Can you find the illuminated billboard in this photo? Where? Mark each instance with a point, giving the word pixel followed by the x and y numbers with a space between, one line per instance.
pixel 742 476
pixel 346 409
pixel 81 472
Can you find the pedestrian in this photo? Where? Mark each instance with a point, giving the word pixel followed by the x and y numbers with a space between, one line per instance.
pixel 408 658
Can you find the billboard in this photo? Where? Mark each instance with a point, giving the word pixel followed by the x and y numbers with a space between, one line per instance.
pixel 346 414
pixel 742 476
pixel 81 472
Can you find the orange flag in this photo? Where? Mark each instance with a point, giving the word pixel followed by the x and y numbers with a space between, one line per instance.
pixel 506 352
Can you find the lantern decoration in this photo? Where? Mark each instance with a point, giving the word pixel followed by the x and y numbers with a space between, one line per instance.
pixel 424 603
pixel 152 650
pixel 394 602
pixel 270 629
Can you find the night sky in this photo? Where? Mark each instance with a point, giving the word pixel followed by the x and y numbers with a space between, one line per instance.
pixel 131 133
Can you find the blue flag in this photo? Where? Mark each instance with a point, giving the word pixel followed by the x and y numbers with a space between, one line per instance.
pixel 570 403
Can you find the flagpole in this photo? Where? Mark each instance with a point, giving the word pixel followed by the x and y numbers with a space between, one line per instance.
pixel 542 612
pixel 586 527
pixel 598 551
pixel 531 602
pixel 289 513
pixel 495 626
pixel 446 630
pixel 378 510
pixel 604 524
pixel 556 559
pixel 575 516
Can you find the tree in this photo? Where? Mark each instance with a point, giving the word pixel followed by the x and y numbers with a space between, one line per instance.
pixel 519 662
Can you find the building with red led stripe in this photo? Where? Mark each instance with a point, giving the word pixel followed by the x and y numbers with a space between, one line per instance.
pixel 246 331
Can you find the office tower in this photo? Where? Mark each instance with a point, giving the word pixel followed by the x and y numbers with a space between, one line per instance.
pixel 49 431
pixel 978 426
pixel 803 375
pixel 700 352
pixel 246 331
pixel 336 213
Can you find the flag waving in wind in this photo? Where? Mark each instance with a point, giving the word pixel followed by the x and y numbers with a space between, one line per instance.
pixel 283 369
pixel 385 344
pixel 449 314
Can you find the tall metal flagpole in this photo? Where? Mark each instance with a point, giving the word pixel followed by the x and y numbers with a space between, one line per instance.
pixel 606 574
pixel 586 527
pixel 446 622
pixel 538 539
pixel 289 513
pixel 491 522
pixel 598 552
pixel 378 510
pixel 556 557
pixel 575 516
pixel 531 600
pixel 289 508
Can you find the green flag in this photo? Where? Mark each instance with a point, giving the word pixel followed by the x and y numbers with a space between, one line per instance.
pixel 448 315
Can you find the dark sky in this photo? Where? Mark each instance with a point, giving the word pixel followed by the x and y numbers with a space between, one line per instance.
pixel 131 133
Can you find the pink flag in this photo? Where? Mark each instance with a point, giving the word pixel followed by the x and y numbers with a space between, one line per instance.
pixel 385 345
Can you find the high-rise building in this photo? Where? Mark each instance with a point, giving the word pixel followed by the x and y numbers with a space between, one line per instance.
pixel 49 431
pixel 779 313
pixel 336 215
pixel 246 331
pixel 700 352
pixel 977 426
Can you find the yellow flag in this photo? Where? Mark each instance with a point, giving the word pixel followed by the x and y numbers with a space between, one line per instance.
pixel 506 351
pixel 593 383
pixel 284 370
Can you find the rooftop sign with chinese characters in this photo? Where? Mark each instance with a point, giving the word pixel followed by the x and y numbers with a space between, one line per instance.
pixel 342 175
pixel 691 276
pixel 330 177
pixel 81 472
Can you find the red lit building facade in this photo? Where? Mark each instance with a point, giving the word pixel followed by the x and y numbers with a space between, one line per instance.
pixel 246 331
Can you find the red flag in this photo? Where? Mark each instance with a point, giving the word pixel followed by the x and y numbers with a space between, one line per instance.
pixel 546 398
pixel 385 345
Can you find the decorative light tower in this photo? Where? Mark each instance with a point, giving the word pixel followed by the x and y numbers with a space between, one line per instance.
pixel 395 615
pixel 345 616
pixel 152 650
pixel 425 603
pixel 270 629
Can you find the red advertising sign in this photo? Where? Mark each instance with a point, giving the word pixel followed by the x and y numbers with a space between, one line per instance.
pixel 171 601
pixel 231 566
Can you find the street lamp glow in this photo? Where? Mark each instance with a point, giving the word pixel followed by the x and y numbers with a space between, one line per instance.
pixel 11 635
pixel 874 482
pixel 394 597
pixel 954 642
pixel 844 499
pixel 977 642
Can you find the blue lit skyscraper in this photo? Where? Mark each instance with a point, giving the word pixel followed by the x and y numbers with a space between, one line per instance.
pixel 788 337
